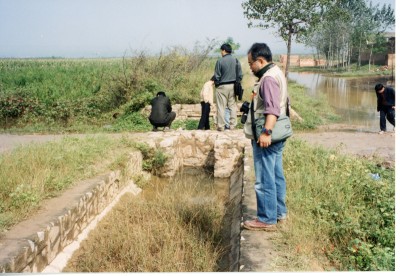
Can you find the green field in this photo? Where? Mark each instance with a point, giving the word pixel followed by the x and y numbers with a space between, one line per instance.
pixel 92 95
pixel 85 94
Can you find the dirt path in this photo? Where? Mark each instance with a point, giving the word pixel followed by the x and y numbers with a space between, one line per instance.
pixel 364 144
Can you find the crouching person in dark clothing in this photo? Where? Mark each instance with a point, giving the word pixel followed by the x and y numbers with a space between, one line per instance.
pixel 161 112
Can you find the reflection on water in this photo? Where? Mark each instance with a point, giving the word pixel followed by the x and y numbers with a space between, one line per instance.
pixel 353 99
pixel 196 183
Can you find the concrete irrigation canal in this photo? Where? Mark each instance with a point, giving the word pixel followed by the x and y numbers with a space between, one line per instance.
pixel 45 242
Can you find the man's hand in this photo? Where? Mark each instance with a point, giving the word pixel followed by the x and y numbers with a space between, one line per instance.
pixel 264 140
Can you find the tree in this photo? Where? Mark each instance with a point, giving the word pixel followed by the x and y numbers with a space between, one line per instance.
pixel 294 19
pixel 235 46
pixel 350 28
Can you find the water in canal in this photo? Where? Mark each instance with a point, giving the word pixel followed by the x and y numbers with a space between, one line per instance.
pixel 354 99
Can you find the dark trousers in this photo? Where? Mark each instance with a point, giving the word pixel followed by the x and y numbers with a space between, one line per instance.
pixel 386 113
pixel 205 116
pixel 167 123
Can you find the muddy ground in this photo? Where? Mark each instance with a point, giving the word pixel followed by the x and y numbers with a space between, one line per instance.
pixel 364 144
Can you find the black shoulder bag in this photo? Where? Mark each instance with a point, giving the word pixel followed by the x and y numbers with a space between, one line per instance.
pixel 237 88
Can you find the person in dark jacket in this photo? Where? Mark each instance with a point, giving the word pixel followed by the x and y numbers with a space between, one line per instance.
pixel 161 112
pixel 385 105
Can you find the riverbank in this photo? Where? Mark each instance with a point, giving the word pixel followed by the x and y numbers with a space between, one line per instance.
pixel 373 71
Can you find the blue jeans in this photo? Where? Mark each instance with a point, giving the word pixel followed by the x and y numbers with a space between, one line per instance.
pixel 270 183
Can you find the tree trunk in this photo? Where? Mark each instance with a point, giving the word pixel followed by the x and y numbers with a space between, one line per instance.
pixel 349 53
pixel 359 55
pixel 289 48
pixel 370 57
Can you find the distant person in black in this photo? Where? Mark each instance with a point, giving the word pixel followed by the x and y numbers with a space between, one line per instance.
pixel 386 105
pixel 161 112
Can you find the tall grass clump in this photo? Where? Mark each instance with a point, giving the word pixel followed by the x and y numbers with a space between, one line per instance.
pixel 174 228
pixel 313 111
pixel 177 71
pixel 338 210
pixel 30 174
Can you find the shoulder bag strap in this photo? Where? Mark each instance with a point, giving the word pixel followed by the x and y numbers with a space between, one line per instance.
pixel 237 70
pixel 253 123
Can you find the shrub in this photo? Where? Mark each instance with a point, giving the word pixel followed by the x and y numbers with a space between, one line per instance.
pixel 153 159
pixel 139 101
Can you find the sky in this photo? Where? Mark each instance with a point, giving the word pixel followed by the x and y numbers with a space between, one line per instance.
pixel 114 28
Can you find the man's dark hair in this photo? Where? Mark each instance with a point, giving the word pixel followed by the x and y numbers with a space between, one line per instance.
pixel 226 47
pixel 161 93
pixel 260 50
pixel 378 87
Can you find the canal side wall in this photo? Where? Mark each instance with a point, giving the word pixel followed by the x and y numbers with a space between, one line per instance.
pixel 32 252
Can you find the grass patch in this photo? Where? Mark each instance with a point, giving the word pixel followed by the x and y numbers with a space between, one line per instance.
pixel 30 174
pixel 334 196
pixel 314 111
pixel 175 228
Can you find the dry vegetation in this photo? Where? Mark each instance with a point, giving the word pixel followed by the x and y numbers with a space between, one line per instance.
pixel 174 227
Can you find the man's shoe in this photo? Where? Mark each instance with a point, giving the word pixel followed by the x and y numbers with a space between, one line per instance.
pixel 226 127
pixel 381 132
pixel 282 220
pixel 257 225
pixel 167 129
pixel 155 129
pixel 219 128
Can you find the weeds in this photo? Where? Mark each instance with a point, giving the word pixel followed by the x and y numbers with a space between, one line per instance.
pixel 314 112
pixel 30 174
pixel 334 196
pixel 164 231
pixel 153 159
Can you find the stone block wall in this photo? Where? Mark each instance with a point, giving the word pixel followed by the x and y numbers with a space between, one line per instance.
pixel 235 207
pixel 199 148
pixel 190 111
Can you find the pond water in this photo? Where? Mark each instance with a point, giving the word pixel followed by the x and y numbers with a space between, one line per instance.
pixel 354 99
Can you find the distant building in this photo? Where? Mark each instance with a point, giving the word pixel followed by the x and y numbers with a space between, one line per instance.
pixel 386 58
